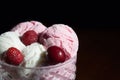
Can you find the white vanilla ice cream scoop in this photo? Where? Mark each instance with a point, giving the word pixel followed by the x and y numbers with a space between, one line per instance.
pixel 34 55
pixel 10 39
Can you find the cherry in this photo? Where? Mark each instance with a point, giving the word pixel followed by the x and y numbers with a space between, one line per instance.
pixel 56 54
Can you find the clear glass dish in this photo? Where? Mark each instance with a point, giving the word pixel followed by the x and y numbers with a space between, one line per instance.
pixel 62 71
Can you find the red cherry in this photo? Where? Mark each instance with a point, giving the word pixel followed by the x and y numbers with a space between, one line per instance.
pixel 56 54
pixel 29 37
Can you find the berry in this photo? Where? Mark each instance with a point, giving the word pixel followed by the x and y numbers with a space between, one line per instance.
pixel 29 37
pixel 56 54
pixel 13 56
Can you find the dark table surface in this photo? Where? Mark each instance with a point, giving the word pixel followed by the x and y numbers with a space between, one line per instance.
pixel 98 55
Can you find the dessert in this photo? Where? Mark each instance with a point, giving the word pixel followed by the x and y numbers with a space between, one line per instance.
pixel 32 51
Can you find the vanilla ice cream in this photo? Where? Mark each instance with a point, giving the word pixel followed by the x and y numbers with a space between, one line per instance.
pixel 10 39
pixel 34 55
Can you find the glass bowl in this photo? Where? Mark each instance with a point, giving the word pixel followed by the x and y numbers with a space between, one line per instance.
pixel 61 71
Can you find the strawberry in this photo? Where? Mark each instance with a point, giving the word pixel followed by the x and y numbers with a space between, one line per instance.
pixel 29 37
pixel 13 56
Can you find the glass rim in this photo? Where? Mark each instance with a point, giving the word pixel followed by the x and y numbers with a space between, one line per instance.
pixel 41 67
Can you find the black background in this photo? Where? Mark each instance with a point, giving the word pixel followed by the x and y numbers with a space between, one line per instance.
pixel 97 27
pixel 88 14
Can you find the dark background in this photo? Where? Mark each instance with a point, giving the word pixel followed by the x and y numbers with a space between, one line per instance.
pixel 98 30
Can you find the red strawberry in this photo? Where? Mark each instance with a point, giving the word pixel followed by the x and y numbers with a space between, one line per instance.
pixel 29 37
pixel 13 56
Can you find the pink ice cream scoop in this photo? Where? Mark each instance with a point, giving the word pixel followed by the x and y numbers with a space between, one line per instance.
pixel 22 27
pixel 60 35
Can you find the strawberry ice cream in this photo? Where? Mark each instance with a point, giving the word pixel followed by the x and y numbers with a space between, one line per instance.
pixel 60 35
pixel 22 27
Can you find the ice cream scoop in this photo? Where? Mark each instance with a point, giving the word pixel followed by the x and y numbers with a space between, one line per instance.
pixel 62 36
pixel 34 55
pixel 22 27
pixel 10 39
